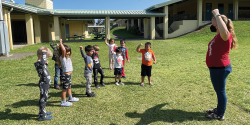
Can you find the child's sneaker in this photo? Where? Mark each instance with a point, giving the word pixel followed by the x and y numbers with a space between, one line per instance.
pixel 121 83
pixel 116 83
pixel 124 77
pixel 97 86
pixel 102 84
pixel 91 94
pixel 45 118
pixel 74 99
pixel 66 104
pixel 48 113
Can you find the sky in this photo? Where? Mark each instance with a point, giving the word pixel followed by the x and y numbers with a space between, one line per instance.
pixel 102 4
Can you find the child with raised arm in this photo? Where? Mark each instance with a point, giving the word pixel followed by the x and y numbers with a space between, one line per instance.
pixel 44 83
pixel 88 68
pixel 97 67
pixel 118 65
pixel 124 55
pixel 58 69
pixel 66 63
pixel 146 66
pixel 112 47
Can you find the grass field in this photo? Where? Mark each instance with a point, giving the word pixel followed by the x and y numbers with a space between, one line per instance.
pixel 181 93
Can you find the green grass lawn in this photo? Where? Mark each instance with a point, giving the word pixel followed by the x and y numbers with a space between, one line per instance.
pixel 181 93
pixel 122 32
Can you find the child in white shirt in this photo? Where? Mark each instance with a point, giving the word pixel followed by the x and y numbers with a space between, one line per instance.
pixel 112 47
pixel 118 65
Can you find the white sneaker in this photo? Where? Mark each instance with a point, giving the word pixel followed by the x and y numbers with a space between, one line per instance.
pixel 116 83
pixel 74 99
pixel 66 104
pixel 121 83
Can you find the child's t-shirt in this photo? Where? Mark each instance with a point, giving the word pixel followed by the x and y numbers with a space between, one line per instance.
pixel 96 61
pixel 147 57
pixel 88 63
pixel 111 48
pixel 118 60
pixel 66 64
pixel 124 53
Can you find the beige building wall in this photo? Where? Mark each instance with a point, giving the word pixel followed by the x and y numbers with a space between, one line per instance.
pixel 183 26
pixel 46 4
pixel 75 27
pixel 44 30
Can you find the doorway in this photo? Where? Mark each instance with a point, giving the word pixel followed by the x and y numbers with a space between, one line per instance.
pixel 208 11
pixel 230 11
pixel 19 34
pixel 67 30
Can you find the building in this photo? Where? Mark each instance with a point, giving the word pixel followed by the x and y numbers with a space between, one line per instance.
pixel 37 21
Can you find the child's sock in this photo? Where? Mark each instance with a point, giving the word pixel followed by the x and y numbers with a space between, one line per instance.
pixel 120 81
pixel 63 101
pixel 115 81
pixel 70 97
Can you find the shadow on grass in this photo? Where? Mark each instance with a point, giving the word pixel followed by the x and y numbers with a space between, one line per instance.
pixel 16 116
pixel 155 114
pixel 29 84
pixel 34 102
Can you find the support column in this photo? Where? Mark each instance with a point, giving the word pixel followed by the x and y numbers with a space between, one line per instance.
pixel 132 22
pixel 8 24
pixel 199 13
pixel 107 27
pixel 152 28
pixel 145 28
pixel 236 9
pixel 57 28
pixel 62 28
pixel 37 29
pixel 139 24
pixel 123 22
pixel 127 24
pixel 165 23
pixel 29 29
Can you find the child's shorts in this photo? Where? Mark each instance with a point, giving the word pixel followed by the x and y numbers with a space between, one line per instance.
pixel 146 70
pixel 66 81
pixel 118 71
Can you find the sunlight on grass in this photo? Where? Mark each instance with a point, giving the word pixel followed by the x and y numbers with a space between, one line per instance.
pixel 181 93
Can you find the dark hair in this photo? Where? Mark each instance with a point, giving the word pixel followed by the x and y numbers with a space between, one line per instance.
pixel 111 40
pixel 118 49
pixel 123 40
pixel 88 48
pixel 148 43
pixel 96 48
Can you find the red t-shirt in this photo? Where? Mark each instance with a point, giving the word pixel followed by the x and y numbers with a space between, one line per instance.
pixel 218 52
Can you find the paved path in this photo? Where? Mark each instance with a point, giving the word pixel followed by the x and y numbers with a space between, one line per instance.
pixel 13 56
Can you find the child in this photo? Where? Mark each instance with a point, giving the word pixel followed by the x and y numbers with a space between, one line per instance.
pixel 58 70
pixel 111 46
pixel 97 67
pixel 88 68
pixel 146 66
pixel 118 65
pixel 124 55
pixel 66 63
pixel 44 83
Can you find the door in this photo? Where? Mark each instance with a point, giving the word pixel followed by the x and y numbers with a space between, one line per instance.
pixel 19 34
pixel 230 11
pixel 221 8
pixel 67 30
pixel 208 11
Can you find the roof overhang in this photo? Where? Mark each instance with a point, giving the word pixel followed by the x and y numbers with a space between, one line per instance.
pixel 169 2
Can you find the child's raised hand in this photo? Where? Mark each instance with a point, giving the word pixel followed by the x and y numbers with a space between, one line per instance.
pixel 80 47
pixel 141 44
pixel 60 41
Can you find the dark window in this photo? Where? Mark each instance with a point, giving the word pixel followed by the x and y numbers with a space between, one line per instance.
pixel 244 8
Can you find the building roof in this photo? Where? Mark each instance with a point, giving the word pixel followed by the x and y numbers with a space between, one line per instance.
pixel 95 13
pixel 169 2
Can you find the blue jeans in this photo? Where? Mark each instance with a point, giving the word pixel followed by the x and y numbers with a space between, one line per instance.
pixel 57 72
pixel 218 78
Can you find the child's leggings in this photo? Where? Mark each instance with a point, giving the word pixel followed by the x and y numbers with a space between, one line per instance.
pixel 44 85
pixel 123 72
pixel 96 70
pixel 111 61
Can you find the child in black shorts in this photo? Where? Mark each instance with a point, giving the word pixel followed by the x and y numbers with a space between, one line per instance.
pixel 118 65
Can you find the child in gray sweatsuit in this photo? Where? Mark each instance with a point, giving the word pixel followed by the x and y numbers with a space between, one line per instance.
pixel 88 68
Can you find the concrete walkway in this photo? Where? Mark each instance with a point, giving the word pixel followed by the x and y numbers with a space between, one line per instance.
pixel 14 56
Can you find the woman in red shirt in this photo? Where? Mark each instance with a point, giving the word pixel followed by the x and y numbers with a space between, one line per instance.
pixel 218 61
